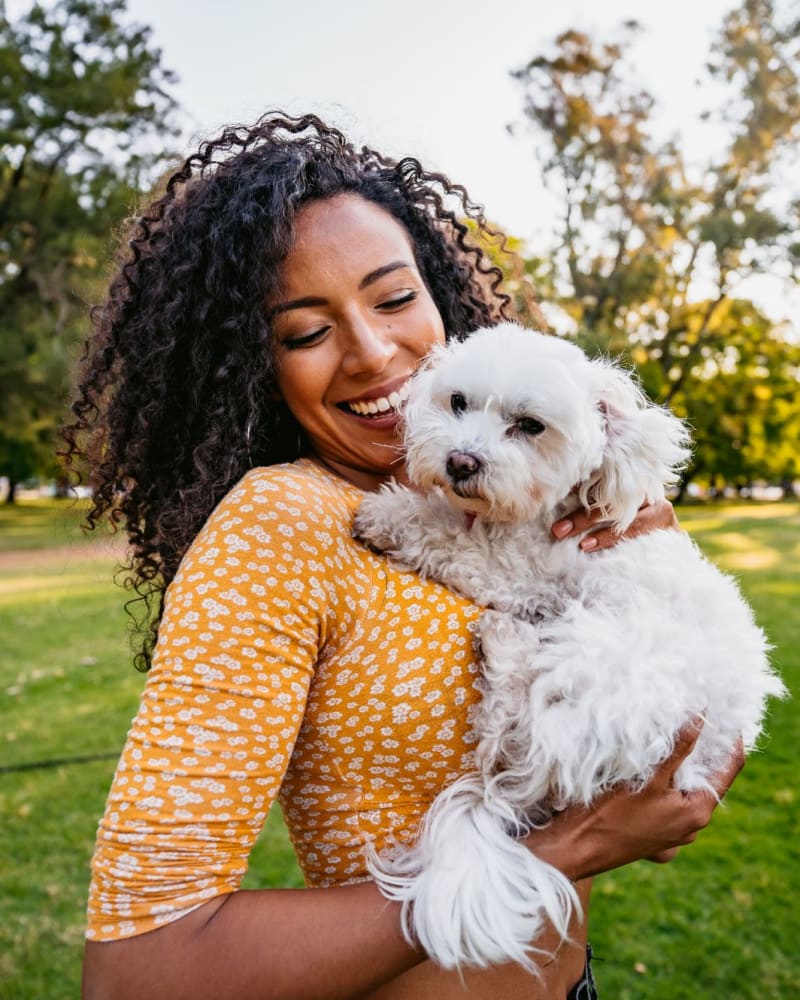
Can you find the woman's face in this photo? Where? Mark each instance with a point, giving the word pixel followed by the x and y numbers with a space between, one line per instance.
pixel 351 322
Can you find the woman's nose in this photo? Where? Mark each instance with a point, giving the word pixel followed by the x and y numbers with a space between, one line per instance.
pixel 370 347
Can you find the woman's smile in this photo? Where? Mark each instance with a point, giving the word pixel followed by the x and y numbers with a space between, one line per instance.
pixel 353 321
pixel 379 405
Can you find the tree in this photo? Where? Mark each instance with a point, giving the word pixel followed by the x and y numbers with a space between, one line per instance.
pixel 643 228
pixel 742 400
pixel 82 93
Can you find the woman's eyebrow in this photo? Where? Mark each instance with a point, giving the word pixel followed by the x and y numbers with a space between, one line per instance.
pixel 380 272
pixel 309 301
pixel 305 303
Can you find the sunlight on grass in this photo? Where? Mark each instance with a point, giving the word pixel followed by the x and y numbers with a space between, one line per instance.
pixel 743 554
pixel 52 590
pixel 759 559
pixel 31 523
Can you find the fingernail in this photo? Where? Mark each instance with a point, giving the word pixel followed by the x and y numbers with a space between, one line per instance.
pixel 562 528
pixel 587 544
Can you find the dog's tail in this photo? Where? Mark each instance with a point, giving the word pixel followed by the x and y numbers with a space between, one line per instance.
pixel 471 893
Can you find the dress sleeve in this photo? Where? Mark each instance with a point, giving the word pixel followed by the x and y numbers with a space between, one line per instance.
pixel 220 712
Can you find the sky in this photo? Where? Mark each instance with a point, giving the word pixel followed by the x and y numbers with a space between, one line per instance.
pixel 431 78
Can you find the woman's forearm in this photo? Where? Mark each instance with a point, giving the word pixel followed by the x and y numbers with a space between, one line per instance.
pixel 275 943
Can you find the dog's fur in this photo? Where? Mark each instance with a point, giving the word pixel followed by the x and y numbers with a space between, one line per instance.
pixel 593 662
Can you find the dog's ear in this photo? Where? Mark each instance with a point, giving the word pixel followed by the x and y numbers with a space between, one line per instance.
pixel 646 448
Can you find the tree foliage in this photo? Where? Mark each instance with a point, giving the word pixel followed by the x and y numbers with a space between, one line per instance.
pixel 653 248
pixel 82 93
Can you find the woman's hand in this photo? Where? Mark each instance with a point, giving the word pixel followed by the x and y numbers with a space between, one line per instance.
pixel 651 517
pixel 624 826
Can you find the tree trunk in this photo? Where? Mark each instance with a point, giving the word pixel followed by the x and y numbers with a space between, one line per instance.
pixel 12 491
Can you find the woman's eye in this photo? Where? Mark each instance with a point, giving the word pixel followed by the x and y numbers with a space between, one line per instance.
pixel 529 426
pixel 458 403
pixel 293 343
pixel 388 304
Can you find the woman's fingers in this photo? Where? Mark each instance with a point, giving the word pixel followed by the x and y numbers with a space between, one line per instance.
pixel 575 523
pixel 651 517
pixel 664 857
pixel 699 804
pixel 723 779
pixel 684 744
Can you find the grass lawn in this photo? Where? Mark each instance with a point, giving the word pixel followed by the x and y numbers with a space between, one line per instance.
pixel 719 921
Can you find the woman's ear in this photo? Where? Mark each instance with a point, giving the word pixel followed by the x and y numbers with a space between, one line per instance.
pixel 646 448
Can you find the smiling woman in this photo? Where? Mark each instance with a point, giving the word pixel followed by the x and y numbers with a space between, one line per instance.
pixel 349 334
pixel 241 391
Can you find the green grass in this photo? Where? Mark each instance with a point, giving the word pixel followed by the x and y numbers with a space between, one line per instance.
pixel 40 524
pixel 719 921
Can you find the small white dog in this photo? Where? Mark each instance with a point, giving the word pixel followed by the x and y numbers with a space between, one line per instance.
pixel 593 662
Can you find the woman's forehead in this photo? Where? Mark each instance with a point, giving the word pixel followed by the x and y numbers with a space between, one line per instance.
pixel 346 216
pixel 344 235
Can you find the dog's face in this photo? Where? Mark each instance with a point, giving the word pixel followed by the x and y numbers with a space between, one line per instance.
pixel 505 422
pixel 509 421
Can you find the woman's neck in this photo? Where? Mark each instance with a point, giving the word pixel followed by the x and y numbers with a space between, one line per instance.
pixel 365 479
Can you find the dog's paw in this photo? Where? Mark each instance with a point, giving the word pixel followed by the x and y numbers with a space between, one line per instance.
pixel 374 525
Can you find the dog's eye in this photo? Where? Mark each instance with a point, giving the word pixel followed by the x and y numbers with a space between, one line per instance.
pixel 457 403
pixel 530 426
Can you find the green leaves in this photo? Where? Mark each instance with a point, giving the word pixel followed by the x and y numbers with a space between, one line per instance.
pixel 83 95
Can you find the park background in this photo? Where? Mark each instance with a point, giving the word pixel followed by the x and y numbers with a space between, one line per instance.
pixel 648 176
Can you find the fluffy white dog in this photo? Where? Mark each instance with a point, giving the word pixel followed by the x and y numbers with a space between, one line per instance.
pixel 593 662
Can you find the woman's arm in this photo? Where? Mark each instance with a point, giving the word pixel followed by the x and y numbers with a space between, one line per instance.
pixel 276 943
pixel 342 942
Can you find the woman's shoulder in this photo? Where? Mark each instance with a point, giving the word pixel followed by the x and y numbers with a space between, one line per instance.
pixel 293 497
pixel 303 479
pixel 293 512
pixel 293 487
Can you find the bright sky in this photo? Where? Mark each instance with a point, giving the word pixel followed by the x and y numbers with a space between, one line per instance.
pixel 423 77
pixel 428 78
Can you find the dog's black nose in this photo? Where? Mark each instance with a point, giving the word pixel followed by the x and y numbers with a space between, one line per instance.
pixel 461 465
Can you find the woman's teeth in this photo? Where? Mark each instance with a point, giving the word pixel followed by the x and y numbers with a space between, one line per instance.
pixel 383 404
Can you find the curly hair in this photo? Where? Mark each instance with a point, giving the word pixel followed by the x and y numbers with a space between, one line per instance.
pixel 175 389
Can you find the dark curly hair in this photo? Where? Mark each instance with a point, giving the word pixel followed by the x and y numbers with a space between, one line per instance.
pixel 174 399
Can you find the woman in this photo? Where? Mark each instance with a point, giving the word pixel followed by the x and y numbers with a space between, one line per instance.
pixel 273 304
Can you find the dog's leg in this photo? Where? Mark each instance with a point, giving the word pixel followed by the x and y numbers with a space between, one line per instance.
pixel 382 517
pixel 399 522
pixel 418 531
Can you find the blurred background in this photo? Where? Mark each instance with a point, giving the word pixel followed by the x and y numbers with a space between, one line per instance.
pixel 642 161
